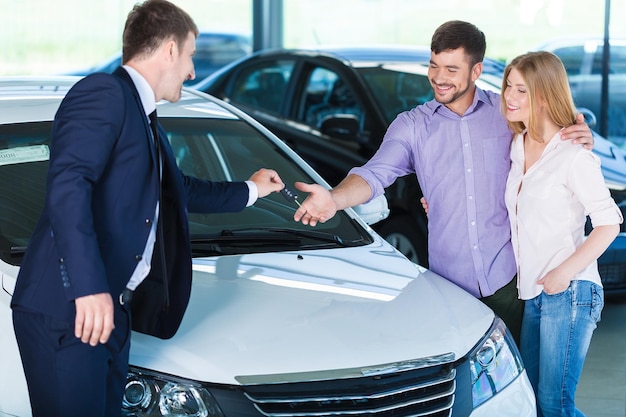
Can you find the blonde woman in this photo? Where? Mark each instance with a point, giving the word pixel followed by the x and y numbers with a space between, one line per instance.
pixel 551 188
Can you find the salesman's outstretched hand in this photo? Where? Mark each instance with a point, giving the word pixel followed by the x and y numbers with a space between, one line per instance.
pixel 319 205
pixel 267 181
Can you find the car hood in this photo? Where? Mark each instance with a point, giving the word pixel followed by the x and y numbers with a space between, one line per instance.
pixel 297 312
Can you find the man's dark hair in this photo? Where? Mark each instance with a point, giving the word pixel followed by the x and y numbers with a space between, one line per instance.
pixel 152 22
pixel 457 34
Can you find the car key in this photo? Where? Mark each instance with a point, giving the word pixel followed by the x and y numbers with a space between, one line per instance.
pixel 290 195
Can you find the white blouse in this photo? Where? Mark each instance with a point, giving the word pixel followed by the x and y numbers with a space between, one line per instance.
pixel 548 206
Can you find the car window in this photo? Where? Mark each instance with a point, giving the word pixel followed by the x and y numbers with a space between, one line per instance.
pixel 213 52
pixel 24 157
pixel 211 149
pixel 617 60
pixel 572 57
pixel 326 94
pixel 397 88
pixel 263 87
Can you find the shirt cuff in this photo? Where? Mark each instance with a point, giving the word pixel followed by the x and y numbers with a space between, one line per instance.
pixel 253 193
pixel 607 216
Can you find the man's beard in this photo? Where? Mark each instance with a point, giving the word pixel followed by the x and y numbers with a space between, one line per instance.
pixel 455 96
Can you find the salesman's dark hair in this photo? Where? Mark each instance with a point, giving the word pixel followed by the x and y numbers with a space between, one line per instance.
pixel 150 23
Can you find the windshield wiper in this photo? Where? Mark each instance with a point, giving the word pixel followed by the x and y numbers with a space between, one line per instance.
pixel 258 239
pixel 229 243
pixel 275 232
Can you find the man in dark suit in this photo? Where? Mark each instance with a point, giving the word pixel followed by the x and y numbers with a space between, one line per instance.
pixel 113 233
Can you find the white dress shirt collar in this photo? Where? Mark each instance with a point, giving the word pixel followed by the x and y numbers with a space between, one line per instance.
pixel 145 91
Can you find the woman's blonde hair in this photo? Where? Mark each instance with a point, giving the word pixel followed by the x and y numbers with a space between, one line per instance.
pixel 546 80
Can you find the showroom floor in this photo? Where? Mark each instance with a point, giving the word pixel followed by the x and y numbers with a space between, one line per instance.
pixel 602 387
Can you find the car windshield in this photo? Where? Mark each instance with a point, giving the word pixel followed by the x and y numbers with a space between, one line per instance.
pixel 212 149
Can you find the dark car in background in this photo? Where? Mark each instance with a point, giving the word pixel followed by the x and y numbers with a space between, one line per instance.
pixel 583 61
pixel 333 106
pixel 213 51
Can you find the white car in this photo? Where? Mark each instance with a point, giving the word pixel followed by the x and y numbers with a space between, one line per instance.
pixel 284 319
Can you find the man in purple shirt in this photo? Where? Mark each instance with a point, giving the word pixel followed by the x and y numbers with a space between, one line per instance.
pixel 458 146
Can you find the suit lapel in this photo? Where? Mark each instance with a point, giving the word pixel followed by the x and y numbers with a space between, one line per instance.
pixel 121 73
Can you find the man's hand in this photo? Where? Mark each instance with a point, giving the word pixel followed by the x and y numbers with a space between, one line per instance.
pixel 319 205
pixel 267 181
pixel 94 318
pixel 554 282
pixel 579 133
pixel 424 204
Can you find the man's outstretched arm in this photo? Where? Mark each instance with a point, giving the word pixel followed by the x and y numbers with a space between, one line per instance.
pixel 322 204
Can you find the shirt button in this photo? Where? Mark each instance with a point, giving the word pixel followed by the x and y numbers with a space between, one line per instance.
pixel 469 169
pixel 473 223
pixel 148 222
pixel 470 197
pixel 138 257
pixel 475 246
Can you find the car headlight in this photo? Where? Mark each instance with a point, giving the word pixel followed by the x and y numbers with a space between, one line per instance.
pixel 494 363
pixel 149 394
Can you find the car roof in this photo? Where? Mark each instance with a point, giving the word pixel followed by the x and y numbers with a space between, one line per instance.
pixel 42 96
pixel 358 55
pixel 14 85
pixel 355 56
pixel 378 54
pixel 214 37
pixel 579 40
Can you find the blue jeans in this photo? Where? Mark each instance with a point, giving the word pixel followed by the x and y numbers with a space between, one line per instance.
pixel 556 332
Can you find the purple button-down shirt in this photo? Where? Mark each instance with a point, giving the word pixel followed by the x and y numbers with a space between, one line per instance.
pixel 462 164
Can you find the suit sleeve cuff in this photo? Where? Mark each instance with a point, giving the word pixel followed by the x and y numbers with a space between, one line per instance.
pixel 253 193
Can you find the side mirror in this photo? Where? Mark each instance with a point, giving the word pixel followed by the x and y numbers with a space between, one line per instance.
pixel 340 126
pixel 373 211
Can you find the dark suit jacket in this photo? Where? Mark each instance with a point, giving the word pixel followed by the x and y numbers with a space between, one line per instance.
pixel 101 194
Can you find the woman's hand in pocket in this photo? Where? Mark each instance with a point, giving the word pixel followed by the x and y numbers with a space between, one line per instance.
pixel 555 281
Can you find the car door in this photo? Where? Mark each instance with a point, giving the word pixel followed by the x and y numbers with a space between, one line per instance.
pixel 329 91
pixel 328 106
pixel 274 91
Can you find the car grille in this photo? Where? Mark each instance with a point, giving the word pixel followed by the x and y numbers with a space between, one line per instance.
pixel 417 392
